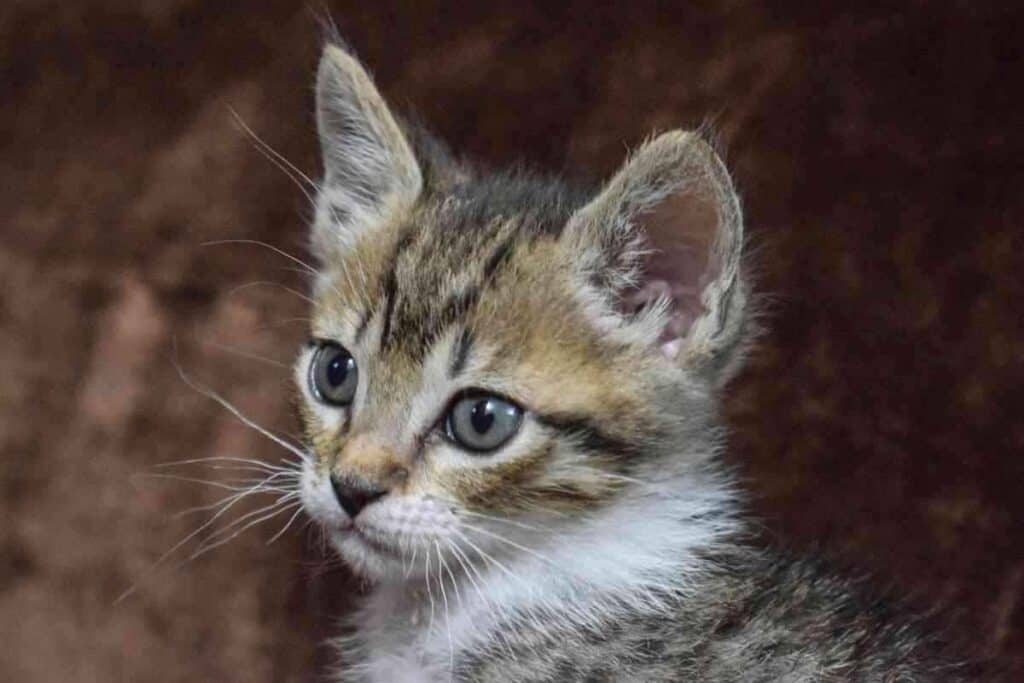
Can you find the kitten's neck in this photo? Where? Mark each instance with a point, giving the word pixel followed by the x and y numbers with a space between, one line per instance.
pixel 641 555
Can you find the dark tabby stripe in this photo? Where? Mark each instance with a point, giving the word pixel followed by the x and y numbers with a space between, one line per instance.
pixel 590 437
pixel 390 285
pixel 498 257
pixel 460 354
pixel 364 322
pixel 389 294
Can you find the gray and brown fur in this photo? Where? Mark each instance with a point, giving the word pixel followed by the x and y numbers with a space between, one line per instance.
pixel 531 284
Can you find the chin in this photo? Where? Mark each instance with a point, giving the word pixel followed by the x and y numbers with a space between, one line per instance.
pixel 366 558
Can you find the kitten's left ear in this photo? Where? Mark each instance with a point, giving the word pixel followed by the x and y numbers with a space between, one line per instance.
pixel 666 235
pixel 370 169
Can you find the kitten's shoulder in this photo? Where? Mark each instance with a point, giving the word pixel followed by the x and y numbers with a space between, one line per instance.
pixel 751 616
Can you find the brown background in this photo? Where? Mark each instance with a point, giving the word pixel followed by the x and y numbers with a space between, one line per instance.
pixel 879 154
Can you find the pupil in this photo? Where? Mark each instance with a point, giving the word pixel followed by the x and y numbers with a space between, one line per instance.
pixel 337 370
pixel 482 417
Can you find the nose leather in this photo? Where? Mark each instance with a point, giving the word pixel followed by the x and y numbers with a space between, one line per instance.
pixel 353 495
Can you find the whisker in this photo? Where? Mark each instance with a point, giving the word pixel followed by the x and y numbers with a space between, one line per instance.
pixel 213 506
pixel 227 405
pixel 228 503
pixel 275 510
pixel 502 539
pixel 430 593
pixel 521 525
pixel 270 283
pixel 469 569
pixel 229 459
pixel 412 561
pixel 243 493
pixel 246 354
pixel 264 146
pixel 447 613
pixel 243 485
pixel 487 557
pixel 308 268
pixel 291 519
pixel 227 528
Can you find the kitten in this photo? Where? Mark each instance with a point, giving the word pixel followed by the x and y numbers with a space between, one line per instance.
pixel 511 408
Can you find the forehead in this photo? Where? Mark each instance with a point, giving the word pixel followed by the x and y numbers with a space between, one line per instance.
pixel 492 276
pixel 453 257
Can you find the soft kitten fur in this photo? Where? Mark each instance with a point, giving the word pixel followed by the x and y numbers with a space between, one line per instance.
pixel 602 541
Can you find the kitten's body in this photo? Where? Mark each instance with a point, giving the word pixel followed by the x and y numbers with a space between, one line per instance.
pixel 732 614
pixel 600 540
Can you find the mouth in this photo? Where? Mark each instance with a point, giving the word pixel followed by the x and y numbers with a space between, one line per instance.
pixel 353 533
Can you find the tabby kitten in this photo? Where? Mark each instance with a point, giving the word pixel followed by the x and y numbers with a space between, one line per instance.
pixel 510 402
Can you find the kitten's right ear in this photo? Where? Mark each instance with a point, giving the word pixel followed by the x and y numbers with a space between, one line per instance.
pixel 370 170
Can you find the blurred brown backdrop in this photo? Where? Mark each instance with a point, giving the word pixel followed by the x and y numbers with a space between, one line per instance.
pixel 879 154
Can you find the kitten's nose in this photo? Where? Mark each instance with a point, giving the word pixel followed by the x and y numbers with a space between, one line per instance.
pixel 354 494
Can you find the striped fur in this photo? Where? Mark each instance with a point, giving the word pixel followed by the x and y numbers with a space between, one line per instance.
pixel 602 542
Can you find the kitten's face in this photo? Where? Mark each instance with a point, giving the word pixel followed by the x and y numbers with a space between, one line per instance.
pixel 458 368
pixel 476 370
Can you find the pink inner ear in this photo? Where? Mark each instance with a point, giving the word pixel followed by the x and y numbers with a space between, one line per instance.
pixel 682 312
pixel 680 232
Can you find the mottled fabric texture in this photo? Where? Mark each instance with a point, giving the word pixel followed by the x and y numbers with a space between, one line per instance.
pixel 877 422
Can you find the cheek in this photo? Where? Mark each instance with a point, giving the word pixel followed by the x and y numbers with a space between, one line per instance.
pixel 552 479
pixel 504 486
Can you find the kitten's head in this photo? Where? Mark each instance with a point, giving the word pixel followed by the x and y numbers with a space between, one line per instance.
pixel 492 353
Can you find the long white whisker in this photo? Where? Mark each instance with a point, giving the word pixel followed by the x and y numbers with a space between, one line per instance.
pixel 227 504
pixel 469 568
pixel 502 539
pixel 258 487
pixel 291 519
pixel 511 522
pixel 230 526
pixel 268 153
pixel 412 561
pixel 229 459
pixel 207 547
pixel 264 146
pixel 447 613
pixel 227 405
pixel 246 354
pixel 309 269
pixel 430 592
pixel 270 283
pixel 490 559
pixel 241 469
pixel 243 485
pixel 284 503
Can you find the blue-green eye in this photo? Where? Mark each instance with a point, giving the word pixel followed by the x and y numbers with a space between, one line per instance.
pixel 482 422
pixel 333 375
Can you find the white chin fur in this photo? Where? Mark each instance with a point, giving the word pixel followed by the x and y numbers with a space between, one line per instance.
pixel 390 540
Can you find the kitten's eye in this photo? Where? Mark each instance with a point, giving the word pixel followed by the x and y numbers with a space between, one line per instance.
pixel 482 422
pixel 333 375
